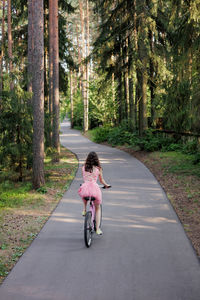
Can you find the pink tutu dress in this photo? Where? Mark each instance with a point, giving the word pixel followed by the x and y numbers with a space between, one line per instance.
pixel 90 187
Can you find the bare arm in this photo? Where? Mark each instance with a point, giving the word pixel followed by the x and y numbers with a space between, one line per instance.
pixel 101 179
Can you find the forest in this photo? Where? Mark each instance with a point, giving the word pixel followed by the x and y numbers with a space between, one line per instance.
pixel 126 69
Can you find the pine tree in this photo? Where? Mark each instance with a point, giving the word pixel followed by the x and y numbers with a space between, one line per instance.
pixel 38 94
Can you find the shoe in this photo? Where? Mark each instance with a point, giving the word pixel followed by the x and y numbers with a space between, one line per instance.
pixel 99 232
pixel 83 213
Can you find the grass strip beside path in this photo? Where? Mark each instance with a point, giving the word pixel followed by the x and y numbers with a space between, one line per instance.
pixel 23 211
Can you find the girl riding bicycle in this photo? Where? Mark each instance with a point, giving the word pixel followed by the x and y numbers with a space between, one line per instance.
pixel 91 171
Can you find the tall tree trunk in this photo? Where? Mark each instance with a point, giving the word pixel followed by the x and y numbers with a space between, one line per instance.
pixel 135 36
pixel 51 67
pixel 2 50
pixel 56 106
pixel 72 98
pixel 10 54
pixel 38 94
pixel 88 62
pixel 30 44
pixel 84 70
pixel 126 81
pixel 142 53
pixel 79 57
pixel 143 102
pixel 152 76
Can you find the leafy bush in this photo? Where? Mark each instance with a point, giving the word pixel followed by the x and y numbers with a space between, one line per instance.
pixel 100 134
pixel 117 136
pixel 16 131
pixel 190 147
pixel 196 159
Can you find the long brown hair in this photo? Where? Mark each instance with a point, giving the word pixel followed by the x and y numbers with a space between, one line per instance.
pixel 92 161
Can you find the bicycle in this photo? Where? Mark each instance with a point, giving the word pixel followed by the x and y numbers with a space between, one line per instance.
pixel 90 221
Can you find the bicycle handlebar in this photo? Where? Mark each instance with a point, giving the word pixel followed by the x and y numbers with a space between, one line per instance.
pixel 106 187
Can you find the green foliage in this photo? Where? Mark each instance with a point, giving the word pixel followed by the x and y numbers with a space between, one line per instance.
pixel 177 106
pixel 196 159
pixel 42 190
pixel 13 195
pixel 191 147
pixel 119 136
pixel 16 131
pixel 3 269
pixel 100 134
pixel 78 110
pixel 102 108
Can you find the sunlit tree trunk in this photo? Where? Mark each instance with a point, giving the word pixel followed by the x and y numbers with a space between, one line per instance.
pixel 135 36
pixel 126 81
pixel 151 74
pixel 88 62
pixel 56 106
pixel 2 7
pixel 84 70
pixel 142 69
pixel 72 98
pixel 79 57
pixel 30 44
pixel 38 94
pixel 10 42
pixel 51 66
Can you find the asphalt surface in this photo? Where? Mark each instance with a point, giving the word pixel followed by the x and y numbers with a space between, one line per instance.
pixel 143 254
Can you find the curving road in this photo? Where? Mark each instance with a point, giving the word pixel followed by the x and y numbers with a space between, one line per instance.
pixel 143 254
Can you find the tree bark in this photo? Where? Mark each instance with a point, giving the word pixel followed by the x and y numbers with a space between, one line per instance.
pixel 10 42
pixel 142 69
pixel 152 76
pixel 88 62
pixel 72 98
pixel 56 106
pixel 2 50
pixel 30 45
pixel 51 66
pixel 84 71
pixel 38 94
pixel 79 57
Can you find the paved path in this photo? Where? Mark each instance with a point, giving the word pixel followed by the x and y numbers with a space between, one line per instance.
pixel 144 253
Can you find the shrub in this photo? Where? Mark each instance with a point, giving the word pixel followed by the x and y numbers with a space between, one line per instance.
pixel 100 134
pixel 190 147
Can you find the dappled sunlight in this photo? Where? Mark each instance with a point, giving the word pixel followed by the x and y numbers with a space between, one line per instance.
pixel 139 219
pixel 134 206
pixel 66 220
pixel 72 201
pixel 139 181
pixel 119 159
pixel 119 192
pixel 69 134
pixel 135 226
pixel 65 217
pixel 154 220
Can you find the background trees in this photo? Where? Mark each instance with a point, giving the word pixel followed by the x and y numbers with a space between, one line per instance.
pixel 26 97
pixel 147 51
pixel 128 64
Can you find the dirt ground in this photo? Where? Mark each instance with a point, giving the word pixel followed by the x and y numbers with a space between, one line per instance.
pixel 20 225
pixel 183 193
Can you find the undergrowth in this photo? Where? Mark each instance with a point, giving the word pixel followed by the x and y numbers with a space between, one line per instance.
pixel 151 142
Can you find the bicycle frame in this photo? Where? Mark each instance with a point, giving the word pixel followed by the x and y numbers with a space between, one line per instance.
pixel 92 209
pixel 89 223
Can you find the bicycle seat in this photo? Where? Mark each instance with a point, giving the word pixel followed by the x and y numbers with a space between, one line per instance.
pixel 89 198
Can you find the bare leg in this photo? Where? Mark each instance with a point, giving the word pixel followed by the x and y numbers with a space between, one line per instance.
pixel 98 215
pixel 84 205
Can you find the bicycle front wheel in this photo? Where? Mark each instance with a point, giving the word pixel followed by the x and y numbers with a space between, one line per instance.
pixel 88 229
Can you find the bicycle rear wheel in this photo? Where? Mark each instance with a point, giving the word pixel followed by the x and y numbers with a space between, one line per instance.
pixel 88 229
